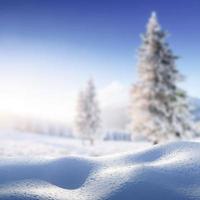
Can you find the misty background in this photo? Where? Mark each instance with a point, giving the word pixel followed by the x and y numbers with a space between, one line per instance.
pixel 49 49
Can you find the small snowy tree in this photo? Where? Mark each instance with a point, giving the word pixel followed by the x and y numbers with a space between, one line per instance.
pixel 159 108
pixel 88 113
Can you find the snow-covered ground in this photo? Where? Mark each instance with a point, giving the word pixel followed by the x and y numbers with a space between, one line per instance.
pixel 29 144
pixel 43 167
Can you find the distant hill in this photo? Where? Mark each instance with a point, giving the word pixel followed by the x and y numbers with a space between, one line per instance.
pixel 195 108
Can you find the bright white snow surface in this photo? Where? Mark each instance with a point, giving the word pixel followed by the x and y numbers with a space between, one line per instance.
pixel 29 144
pixel 163 172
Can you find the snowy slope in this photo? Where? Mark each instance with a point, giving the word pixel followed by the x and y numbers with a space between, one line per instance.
pixel 168 172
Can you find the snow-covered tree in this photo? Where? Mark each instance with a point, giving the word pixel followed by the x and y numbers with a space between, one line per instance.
pixel 159 107
pixel 88 113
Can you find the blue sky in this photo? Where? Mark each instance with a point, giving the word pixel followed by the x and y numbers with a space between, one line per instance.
pixel 48 49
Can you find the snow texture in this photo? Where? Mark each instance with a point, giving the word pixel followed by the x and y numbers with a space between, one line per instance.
pixel 167 172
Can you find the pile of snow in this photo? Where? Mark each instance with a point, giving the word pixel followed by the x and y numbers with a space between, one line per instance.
pixel 168 172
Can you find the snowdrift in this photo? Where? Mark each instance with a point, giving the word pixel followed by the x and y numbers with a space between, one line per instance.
pixel 167 172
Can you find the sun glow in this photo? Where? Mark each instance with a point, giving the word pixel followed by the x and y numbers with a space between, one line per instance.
pixel 28 101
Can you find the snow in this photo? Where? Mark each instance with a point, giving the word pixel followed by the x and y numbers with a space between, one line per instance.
pixel 29 144
pixel 167 172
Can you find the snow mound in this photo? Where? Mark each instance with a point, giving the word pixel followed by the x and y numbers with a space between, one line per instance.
pixel 167 172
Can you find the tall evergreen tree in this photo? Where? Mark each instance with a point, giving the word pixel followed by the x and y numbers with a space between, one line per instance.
pixel 159 108
pixel 88 113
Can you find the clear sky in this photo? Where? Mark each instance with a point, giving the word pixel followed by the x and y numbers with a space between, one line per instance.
pixel 49 48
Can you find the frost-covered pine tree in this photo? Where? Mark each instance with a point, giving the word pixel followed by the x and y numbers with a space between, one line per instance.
pixel 88 113
pixel 159 107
